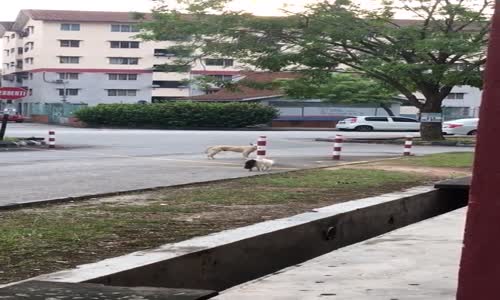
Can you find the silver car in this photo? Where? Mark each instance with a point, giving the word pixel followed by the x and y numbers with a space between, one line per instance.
pixel 461 127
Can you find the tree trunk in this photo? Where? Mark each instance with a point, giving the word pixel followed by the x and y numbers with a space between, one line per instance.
pixel 431 131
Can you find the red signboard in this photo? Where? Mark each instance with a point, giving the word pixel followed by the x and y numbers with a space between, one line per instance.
pixel 12 93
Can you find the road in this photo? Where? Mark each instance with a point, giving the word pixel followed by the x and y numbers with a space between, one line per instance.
pixel 96 161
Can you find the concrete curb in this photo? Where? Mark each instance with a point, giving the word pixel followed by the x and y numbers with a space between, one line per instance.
pixel 398 141
pixel 12 206
pixel 23 142
pixel 225 259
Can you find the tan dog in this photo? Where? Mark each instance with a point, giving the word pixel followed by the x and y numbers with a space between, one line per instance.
pixel 245 150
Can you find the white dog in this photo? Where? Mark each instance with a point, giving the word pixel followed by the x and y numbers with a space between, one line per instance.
pixel 245 150
pixel 262 164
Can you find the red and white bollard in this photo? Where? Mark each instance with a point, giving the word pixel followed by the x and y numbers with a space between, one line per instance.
pixel 337 146
pixel 261 147
pixel 408 145
pixel 52 139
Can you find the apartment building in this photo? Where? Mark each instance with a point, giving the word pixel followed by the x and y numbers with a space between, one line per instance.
pixel 93 57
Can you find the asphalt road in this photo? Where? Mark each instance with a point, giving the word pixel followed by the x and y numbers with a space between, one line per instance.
pixel 96 161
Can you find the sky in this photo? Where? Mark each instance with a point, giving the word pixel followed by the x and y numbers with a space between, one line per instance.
pixel 9 11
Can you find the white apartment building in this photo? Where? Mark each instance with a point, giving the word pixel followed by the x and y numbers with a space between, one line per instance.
pixel 92 57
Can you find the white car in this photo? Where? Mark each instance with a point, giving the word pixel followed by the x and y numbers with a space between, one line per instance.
pixel 368 123
pixel 461 126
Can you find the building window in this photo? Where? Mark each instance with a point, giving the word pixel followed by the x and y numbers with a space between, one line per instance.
pixel 7 52
pixel 29 60
pixel 20 50
pixel 172 68
pixel 70 27
pixel 122 76
pixel 124 44
pixel 122 93
pixel 124 28
pixel 221 77
pixel 167 84
pixel 70 43
pixel 455 96
pixel 12 50
pixel 219 62
pixel 69 76
pixel 13 36
pixel 29 46
pixel 69 92
pixel 124 60
pixel 69 59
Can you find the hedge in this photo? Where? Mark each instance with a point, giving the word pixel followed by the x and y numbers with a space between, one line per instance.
pixel 178 115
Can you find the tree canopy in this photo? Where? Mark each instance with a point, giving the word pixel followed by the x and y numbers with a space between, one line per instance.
pixel 442 46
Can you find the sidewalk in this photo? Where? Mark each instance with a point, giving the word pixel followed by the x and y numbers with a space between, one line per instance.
pixel 415 262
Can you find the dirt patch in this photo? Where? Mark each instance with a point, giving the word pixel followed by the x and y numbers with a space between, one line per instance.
pixel 431 171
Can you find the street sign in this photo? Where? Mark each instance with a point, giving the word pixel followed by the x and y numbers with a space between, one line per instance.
pixel 9 93
pixel 12 93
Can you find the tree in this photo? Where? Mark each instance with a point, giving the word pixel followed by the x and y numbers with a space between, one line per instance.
pixel 443 46
pixel 341 88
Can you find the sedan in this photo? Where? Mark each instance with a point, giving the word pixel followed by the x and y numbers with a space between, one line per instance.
pixel 370 123
pixel 461 127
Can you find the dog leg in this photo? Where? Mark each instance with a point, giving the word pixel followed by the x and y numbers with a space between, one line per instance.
pixel 214 152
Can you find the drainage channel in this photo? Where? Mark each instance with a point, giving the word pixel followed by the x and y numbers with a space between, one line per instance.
pixel 220 261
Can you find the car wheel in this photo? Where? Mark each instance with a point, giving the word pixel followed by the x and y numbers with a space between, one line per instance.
pixel 364 128
pixel 472 132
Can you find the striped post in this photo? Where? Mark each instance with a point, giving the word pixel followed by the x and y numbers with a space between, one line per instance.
pixel 52 139
pixel 408 145
pixel 337 146
pixel 261 147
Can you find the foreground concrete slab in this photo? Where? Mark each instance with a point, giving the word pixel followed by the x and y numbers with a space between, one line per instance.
pixel 40 290
pixel 416 262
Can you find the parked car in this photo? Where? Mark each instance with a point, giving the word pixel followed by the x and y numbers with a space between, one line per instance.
pixel 461 126
pixel 369 123
pixel 18 118
pixel 14 116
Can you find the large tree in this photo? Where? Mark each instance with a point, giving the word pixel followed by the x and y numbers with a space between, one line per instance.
pixel 442 46
pixel 341 88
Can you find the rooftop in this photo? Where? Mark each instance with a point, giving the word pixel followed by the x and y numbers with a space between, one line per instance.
pixel 82 16
pixel 244 92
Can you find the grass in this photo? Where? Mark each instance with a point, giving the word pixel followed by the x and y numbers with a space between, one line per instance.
pixel 54 237
pixel 10 139
pixel 442 160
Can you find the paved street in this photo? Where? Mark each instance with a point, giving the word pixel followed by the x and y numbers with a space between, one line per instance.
pixel 103 160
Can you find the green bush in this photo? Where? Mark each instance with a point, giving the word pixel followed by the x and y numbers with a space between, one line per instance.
pixel 178 115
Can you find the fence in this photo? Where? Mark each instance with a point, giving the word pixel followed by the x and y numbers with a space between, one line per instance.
pixel 53 113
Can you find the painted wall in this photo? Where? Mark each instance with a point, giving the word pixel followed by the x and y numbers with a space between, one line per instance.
pixel 92 88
